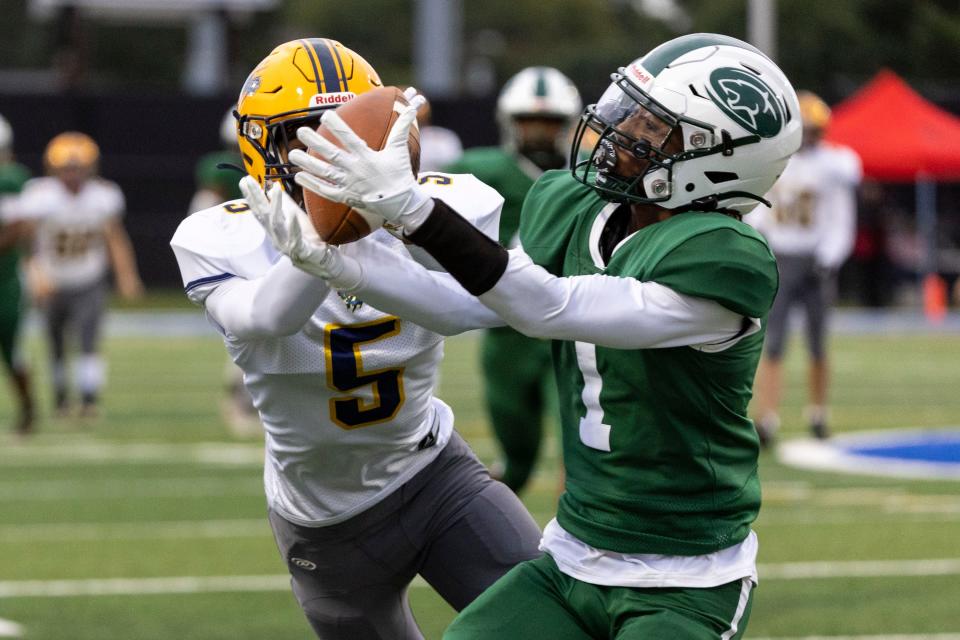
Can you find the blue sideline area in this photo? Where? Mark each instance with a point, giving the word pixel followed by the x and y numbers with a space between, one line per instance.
pixel 902 453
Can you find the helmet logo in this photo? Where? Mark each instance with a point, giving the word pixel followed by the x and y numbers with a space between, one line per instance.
pixel 330 99
pixel 250 86
pixel 640 75
pixel 747 100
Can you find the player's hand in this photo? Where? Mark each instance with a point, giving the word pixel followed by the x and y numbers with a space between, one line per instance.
pixel 290 230
pixel 380 182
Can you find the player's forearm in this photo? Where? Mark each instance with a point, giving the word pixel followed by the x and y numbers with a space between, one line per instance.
pixel 604 310
pixel 277 304
pixel 398 285
pixel 121 254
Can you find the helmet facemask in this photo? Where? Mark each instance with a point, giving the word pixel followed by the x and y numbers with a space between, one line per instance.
pixel 280 139
pixel 636 135
pixel 542 139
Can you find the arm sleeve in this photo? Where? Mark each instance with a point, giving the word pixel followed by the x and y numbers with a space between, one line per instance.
pixel 838 227
pixel 276 304
pixel 396 284
pixel 610 311
pixel 838 231
pixel 247 292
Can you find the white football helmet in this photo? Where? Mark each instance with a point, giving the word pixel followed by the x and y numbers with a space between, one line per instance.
pixel 537 92
pixel 6 135
pixel 228 129
pixel 732 118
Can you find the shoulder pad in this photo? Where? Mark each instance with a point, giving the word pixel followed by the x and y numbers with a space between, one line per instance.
pixel 218 243
pixel 479 203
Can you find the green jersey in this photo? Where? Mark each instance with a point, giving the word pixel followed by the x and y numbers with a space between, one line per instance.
pixel 224 181
pixel 12 178
pixel 505 173
pixel 680 473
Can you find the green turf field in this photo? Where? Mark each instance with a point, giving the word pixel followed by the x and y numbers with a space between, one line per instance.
pixel 150 523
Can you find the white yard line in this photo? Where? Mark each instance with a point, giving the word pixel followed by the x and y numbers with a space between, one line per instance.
pixel 859 569
pixel 907 636
pixel 132 453
pixel 10 629
pixel 96 489
pixel 260 583
pixel 185 529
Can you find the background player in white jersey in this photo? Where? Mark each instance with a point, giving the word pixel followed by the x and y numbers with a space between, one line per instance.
pixel 810 227
pixel 79 239
pixel 367 482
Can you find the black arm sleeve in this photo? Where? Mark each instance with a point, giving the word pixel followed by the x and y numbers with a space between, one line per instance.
pixel 473 259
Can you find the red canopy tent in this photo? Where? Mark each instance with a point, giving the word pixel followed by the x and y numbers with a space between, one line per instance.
pixel 902 137
pixel 898 134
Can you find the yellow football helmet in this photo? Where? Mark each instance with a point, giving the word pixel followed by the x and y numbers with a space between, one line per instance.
pixel 814 112
pixel 291 88
pixel 71 148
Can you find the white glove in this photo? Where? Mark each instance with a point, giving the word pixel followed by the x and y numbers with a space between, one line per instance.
pixel 293 235
pixel 380 182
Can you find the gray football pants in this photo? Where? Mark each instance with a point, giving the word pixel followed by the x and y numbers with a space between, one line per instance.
pixel 451 523
pixel 83 310
pixel 801 283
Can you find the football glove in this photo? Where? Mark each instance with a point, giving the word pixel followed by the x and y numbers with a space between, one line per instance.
pixel 291 232
pixel 379 182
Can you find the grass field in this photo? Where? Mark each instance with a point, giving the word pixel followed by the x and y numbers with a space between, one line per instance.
pixel 150 523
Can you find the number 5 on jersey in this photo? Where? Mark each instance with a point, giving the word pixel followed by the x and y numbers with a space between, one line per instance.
pixel 342 346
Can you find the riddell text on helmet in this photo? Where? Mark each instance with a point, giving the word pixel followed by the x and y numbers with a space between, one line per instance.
pixel 326 99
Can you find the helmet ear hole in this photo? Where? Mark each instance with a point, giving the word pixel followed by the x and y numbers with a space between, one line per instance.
pixel 690 186
pixel 716 177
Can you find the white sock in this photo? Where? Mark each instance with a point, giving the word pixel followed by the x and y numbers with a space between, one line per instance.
pixel 91 373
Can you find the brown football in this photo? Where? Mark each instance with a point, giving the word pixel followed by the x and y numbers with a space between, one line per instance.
pixel 370 115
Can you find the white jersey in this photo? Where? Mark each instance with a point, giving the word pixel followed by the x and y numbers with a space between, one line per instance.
pixel 70 239
pixel 346 402
pixel 814 205
pixel 439 148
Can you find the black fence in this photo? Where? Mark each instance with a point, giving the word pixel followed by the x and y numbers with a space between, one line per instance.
pixel 150 144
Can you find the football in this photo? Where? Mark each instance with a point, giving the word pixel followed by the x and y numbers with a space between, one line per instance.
pixel 370 115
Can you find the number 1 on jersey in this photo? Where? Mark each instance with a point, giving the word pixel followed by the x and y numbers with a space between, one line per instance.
pixel 593 432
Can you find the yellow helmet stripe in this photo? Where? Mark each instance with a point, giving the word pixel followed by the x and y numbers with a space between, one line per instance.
pixel 322 48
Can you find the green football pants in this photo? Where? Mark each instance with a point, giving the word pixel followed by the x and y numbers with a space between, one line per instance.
pixel 11 310
pixel 535 600
pixel 519 390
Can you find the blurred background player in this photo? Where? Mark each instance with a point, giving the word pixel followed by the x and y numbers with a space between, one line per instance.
pixel 217 184
pixel 535 111
pixel 13 233
pixel 367 482
pixel 79 239
pixel 811 229
pixel 439 146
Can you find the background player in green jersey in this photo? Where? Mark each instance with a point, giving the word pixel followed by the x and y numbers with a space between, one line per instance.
pixel 638 266
pixel 12 236
pixel 535 111
pixel 216 184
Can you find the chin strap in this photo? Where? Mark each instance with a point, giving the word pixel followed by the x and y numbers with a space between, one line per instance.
pixel 232 167
pixel 712 202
